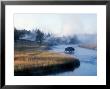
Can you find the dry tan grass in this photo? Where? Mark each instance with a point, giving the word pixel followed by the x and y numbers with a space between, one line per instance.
pixel 30 59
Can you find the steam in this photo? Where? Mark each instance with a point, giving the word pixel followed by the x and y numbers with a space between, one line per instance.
pixel 59 24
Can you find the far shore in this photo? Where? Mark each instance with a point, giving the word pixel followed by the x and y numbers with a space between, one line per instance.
pixel 89 46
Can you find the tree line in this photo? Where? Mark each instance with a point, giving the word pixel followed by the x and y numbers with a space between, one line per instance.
pixel 48 38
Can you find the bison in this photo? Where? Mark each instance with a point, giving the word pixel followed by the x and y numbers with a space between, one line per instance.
pixel 69 49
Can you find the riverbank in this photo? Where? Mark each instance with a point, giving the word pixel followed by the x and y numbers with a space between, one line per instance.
pixel 89 46
pixel 30 63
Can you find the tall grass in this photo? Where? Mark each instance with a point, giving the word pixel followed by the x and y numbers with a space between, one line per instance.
pixel 40 61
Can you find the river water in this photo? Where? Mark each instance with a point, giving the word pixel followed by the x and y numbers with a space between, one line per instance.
pixel 87 57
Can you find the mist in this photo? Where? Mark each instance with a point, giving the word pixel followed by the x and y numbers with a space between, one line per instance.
pixel 58 24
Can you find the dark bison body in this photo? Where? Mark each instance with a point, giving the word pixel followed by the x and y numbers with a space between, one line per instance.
pixel 69 49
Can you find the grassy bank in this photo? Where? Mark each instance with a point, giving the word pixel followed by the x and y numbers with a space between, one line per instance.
pixel 42 62
pixel 89 46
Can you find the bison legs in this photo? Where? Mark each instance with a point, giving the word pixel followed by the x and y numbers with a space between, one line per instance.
pixel 68 51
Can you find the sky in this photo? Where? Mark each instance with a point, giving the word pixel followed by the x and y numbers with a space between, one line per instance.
pixel 59 24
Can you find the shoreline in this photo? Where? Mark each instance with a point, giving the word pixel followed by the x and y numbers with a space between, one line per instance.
pixel 42 63
pixel 48 70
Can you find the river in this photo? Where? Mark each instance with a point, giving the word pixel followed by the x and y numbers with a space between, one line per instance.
pixel 87 57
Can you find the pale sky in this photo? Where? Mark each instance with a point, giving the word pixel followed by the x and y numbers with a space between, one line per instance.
pixel 60 24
